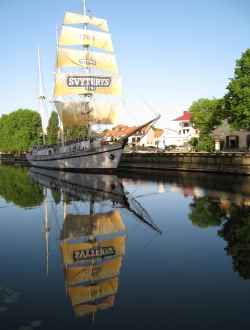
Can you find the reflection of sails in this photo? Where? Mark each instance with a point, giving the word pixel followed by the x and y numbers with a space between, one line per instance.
pixel 93 244
pixel 92 247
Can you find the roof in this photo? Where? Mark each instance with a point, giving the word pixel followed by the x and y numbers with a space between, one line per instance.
pixel 123 130
pixel 186 116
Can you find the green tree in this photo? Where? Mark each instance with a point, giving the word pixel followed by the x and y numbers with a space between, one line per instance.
pixel 237 100
pixel 75 133
pixel 236 232
pixel 206 115
pixel 53 128
pixel 17 187
pixel 20 130
pixel 206 213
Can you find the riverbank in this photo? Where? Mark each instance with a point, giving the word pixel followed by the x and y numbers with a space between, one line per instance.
pixel 225 163
pixel 228 163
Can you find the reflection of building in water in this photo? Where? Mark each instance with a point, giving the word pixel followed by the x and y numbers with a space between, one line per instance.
pixel 92 243
pixel 92 247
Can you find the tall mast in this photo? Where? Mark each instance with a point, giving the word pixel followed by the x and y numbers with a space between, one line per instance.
pixel 41 97
pixel 84 8
pixel 86 102
pixel 56 69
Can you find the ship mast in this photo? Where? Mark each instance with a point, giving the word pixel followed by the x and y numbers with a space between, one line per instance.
pixel 88 95
pixel 41 96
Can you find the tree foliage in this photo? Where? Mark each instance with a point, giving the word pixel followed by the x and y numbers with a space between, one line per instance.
pixel 53 128
pixel 206 114
pixel 236 232
pixel 237 100
pixel 20 130
pixel 76 133
pixel 17 187
pixel 206 213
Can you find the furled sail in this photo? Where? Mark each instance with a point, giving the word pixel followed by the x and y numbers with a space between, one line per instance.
pixel 73 18
pixel 99 224
pixel 74 114
pixel 90 308
pixel 77 84
pixel 83 58
pixel 71 36
pixel 108 269
pixel 83 294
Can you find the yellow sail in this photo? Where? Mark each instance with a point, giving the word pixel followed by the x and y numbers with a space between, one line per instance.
pixel 73 18
pixel 87 309
pixel 73 114
pixel 71 36
pixel 107 269
pixel 76 84
pixel 83 294
pixel 74 58
pixel 98 224
pixel 88 252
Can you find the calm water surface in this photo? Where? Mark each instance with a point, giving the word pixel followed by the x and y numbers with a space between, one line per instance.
pixel 138 252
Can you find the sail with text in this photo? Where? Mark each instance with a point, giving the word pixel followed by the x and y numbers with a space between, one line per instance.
pixel 86 67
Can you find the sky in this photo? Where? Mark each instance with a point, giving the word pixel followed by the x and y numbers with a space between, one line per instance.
pixel 170 53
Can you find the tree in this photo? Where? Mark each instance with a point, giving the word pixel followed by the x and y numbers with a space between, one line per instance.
pixel 205 212
pixel 237 100
pixel 20 130
pixel 53 128
pixel 206 114
pixel 236 232
pixel 76 133
pixel 17 187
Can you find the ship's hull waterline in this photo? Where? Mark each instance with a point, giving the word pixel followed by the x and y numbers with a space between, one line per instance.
pixel 106 157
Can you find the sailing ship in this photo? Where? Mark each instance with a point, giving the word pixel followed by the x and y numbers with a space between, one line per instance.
pixel 86 68
pixel 93 240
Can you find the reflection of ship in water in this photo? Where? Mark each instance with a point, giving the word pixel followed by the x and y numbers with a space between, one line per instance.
pixel 92 243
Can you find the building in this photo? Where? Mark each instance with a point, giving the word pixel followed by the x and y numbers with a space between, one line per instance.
pixel 146 137
pixel 180 131
pixel 228 139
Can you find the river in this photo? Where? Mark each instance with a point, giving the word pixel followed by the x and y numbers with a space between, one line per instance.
pixel 134 251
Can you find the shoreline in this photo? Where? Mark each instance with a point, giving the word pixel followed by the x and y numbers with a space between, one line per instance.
pixel 237 163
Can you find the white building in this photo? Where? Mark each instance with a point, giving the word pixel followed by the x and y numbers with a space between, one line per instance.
pixel 180 131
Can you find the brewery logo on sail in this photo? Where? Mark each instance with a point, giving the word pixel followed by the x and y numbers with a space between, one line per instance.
pixel 88 82
pixel 87 61
pixel 98 252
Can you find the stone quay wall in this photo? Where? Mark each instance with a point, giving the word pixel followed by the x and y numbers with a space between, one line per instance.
pixel 228 163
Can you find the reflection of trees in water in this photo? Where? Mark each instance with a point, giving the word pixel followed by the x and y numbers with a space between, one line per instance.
pixel 56 194
pixel 235 228
pixel 17 187
pixel 236 231
pixel 206 212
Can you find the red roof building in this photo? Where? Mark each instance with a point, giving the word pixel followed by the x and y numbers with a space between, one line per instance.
pixel 185 117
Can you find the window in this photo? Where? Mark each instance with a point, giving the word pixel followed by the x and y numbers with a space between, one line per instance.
pixel 185 124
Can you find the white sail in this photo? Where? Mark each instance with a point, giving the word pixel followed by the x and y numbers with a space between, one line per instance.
pixel 79 84
pixel 71 36
pixel 74 58
pixel 75 114
pixel 73 18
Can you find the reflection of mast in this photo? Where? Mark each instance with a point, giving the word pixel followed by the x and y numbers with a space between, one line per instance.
pixel 46 232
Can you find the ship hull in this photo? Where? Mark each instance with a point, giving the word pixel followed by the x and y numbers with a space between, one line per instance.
pixel 105 157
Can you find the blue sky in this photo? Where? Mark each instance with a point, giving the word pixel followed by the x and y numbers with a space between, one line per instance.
pixel 169 52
